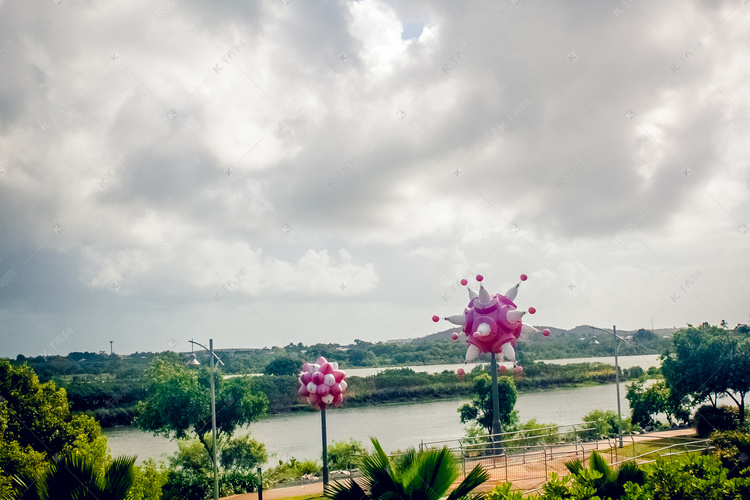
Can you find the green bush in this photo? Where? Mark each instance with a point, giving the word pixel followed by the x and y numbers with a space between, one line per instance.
pixel 733 449
pixel 708 419
pixel 149 479
pixel 291 470
pixel 343 455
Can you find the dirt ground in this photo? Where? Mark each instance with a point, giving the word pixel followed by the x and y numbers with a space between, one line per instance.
pixel 524 484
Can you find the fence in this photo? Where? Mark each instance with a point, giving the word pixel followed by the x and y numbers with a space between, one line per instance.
pixel 522 455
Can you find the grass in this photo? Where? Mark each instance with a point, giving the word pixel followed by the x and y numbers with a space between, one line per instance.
pixel 647 449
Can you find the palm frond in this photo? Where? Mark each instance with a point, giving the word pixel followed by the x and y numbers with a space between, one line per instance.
pixel 476 477
pixel 574 466
pixel 119 478
pixel 630 472
pixel 72 477
pixel 344 491
pixel 434 471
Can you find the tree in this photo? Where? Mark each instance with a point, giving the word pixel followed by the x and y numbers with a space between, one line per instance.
pixel 480 407
pixel 178 403
pixel 705 362
pixel 643 335
pixel 243 453
pixel 76 476
pixel 344 455
pixel 283 366
pixel 423 475
pixel 36 425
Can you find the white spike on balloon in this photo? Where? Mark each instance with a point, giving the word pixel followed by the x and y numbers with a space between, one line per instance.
pixel 511 294
pixel 472 294
pixel 484 297
pixel 472 352
pixel 514 315
pixel 457 319
pixel 527 329
pixel 508 352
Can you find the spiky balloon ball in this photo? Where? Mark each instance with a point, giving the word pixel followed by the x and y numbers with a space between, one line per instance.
pixel 492 323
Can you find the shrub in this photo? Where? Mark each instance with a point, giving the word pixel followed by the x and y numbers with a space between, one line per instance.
pixel 733 449
pixel 708 419
pixel 344 455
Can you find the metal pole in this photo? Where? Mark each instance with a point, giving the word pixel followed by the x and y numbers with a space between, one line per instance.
pixel 260 484
pixel 617 381
pixel 325 446
pixel 495 406
pixel 213 420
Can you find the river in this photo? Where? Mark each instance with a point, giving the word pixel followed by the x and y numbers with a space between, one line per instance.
pixel 396 426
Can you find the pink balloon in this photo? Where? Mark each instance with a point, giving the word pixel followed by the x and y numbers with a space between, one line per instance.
pixel 461 372
pixel 321 360
pixel 524 277
pixel 305 366
pixel 313 399
pixel 326 368
pixel 339 375
pixel 464 282
pixel 480 277
pixel 338 398
pixel 436 318
pixel 305 378
pixel 303 391
pixel 519 370
pixel 317 378
pixel 502 368
pixel 546 332
pixel 322 390
pixel 454 336
pixel 322 405
pixel 532 310
pixel 336 389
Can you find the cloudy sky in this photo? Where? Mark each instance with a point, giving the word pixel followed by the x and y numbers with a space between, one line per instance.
pixel 284 171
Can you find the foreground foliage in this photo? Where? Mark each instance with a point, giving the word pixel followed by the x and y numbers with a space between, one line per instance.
pixel 75 476
pixel 689 477
pixel 415 475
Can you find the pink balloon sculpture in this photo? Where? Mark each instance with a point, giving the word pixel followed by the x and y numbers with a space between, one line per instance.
pixel 492 323
pixel 322 383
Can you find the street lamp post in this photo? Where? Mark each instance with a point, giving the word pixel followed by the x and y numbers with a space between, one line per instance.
pixel 617 377
pixel 212 365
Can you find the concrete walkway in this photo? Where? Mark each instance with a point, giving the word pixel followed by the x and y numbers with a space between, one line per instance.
pixel 522 484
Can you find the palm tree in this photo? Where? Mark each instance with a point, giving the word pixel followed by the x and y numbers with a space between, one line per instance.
pixel 424 475
pixel 608 482
pixel 75 477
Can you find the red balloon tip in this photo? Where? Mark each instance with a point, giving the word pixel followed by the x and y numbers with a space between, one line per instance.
pixel 524 277
pixel 532 310
pixel 480 277
pixel 454 336
pixel 436 318
pixel 464 282
pixel 545 333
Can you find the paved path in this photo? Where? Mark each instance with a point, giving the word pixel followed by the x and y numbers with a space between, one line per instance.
pixel 523 484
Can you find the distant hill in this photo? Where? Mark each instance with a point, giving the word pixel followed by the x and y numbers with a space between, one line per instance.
pixel 585 331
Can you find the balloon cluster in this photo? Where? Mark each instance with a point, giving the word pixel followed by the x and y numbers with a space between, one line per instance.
pixel 492 323
pixel 322 383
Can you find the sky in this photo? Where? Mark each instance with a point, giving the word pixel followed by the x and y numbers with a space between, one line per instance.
pixel 279 171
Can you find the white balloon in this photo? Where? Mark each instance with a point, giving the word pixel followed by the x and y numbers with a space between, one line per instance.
pixel 311 387
pixel 334 365
pixel 343 385
pixel 327 399
pixel 508 352
pixel 329 380
pixel 315 368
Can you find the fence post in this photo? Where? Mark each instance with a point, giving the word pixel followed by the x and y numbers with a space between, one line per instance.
pixel 506 465
pixel 545 462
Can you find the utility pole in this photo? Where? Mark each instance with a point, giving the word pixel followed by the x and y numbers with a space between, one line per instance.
pixel 111 348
